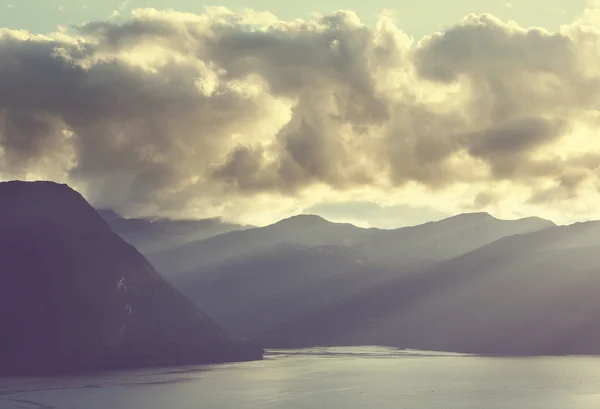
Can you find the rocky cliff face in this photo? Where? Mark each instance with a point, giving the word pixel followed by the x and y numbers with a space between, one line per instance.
pixel 74 296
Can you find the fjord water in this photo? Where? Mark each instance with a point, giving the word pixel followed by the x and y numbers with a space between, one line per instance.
pixel 349 378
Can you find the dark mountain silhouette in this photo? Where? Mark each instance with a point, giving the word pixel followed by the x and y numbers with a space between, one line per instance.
pixel 158 234
pixel 527 294
pixel 252 293
pixel 75 297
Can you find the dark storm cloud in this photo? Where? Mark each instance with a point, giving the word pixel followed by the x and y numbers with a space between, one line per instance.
pixel 506 147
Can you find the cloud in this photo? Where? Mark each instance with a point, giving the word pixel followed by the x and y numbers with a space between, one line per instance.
pixel 180 114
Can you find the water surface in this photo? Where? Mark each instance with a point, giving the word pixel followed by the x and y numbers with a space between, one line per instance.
pixel 328 378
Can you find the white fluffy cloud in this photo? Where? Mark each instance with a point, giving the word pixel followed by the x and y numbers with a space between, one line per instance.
pixel 246 116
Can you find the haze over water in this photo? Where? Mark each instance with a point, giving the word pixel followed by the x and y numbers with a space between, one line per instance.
pixel 349 378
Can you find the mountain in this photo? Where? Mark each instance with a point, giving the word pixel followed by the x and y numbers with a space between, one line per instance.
pixel 150 235
pixel 302 265
pixel 403 248
pixel 252 293
pixel 442 240
pixel 75 297
pixel 530 294
pixel 307 230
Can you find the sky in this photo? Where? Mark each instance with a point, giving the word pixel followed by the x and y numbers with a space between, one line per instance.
pixel 377 113
pixel 418 18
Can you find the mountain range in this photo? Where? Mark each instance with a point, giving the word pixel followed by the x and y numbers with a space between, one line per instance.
pixel 399 248
pixel 527 294
pixel 470 283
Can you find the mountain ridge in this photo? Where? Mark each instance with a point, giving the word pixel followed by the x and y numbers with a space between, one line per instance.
pixel 377 243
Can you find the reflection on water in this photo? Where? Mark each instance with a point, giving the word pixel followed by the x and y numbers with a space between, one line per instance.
pixel 349 378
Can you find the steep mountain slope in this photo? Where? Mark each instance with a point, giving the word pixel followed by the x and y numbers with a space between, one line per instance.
pixel 251 293
pixel 74 296
pixel 149 235
pixel 527 294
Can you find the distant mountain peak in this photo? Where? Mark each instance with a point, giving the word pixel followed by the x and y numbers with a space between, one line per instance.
pixel 303 220
pixel 473 216
pixel 538 220
pixel 480 217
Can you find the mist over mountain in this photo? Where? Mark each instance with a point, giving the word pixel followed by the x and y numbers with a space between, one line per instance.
pixel 158 234
pixel 75 297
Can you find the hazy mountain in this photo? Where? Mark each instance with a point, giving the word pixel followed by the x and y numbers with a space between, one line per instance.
pixel 252 293
pixel 527 294
pixel 74 296
pixel 305 229
pixel 257 279
pixel 158 234
pixel 444 239
pixel 399 248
